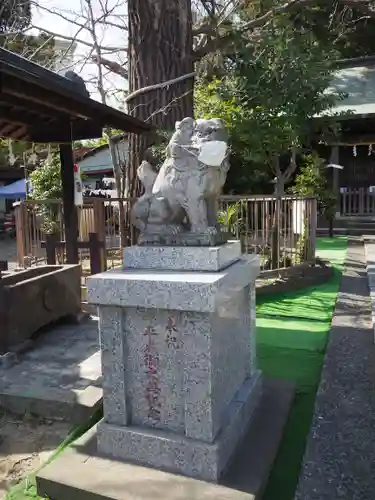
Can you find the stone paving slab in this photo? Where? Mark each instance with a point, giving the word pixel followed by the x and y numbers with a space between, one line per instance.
pixel 8 252
pixel 339 461
pixel 60 377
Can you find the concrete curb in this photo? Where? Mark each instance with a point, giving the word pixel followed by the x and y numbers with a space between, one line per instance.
pixel 321 275
pixel 369 244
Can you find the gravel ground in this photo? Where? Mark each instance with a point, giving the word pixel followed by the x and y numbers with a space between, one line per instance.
pixel 25 444
pixel 340 454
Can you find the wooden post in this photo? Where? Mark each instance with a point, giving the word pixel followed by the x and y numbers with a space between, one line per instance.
pixel 313 218
pixel 3 266
pixel 20 231
pixel 3 310
pixel 334 159
pixel 3 318
pixel 95 257
pixel 99 228
pixel 70 212
pixel 51 249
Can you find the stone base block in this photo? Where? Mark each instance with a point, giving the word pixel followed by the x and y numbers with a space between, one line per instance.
pixel 179 373
pixel 80 473
pixel 173 453
pixel 177 258
pixel 178 290
pixel 184 239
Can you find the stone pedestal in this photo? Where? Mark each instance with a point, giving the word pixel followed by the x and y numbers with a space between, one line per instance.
pixel 177 330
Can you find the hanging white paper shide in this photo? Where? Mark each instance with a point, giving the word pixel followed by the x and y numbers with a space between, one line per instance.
pixel 78 187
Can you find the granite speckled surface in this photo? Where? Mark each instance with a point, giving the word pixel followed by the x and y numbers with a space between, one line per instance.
pixel 339 462
pixel 176 453
pixel 154 365
pixel 179 290
pixel 112 344
pixel 231 356
pixel 81 472
pixel 182 258
pixel 179 365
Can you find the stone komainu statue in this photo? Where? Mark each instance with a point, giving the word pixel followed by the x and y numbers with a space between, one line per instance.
pixel 182 196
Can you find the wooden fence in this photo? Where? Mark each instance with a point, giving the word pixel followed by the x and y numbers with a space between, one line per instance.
pixel 282 231
pixel 360 201
pixel 35 220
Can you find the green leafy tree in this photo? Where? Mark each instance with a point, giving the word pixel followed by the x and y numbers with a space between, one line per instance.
pixel 346 26
pixel 172 41
pixel 15 18
pixel 17 147
pixel 38 48
pixel 46 180
pixel 94 143
pixel 245 176
pixel 312 181
pixel 46 185
pixel 230 219
pixel 275 89
pixel 15 15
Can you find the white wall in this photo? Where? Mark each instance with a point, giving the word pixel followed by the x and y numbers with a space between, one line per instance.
pixel 90 182
pixel 64 60
pixel 101 160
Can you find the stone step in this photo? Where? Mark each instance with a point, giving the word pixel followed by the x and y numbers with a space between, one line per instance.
pixel 59 377
pixel 81 473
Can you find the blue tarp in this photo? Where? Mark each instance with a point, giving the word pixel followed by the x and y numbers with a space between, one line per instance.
pixel 14 191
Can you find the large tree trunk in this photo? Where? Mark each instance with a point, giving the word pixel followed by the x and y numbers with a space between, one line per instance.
pixel 160 49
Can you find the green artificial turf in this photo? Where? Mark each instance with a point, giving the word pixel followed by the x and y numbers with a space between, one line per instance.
pixel 286 333
pixel 292 334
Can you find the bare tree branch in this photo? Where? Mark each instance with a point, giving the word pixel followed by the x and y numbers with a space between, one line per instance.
pixel 59 14
pixel 70 38
pixel 41 47
pixel 218 41
pixel 113 66
pixel 112 24
pixel 164 110
pixel 157 86
pixel 66 16
pixel 366 7
pixel 100 86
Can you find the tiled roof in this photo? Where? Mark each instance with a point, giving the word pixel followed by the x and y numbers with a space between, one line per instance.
pixel 358 85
